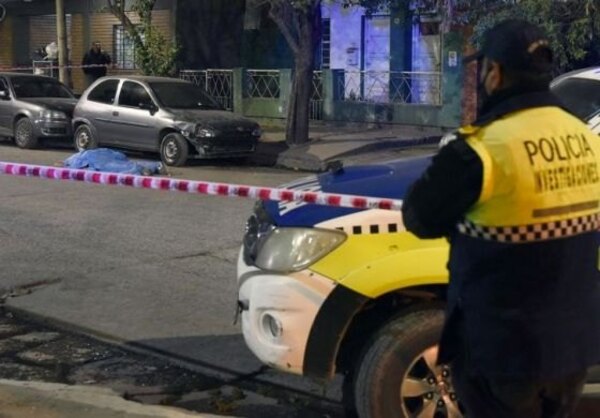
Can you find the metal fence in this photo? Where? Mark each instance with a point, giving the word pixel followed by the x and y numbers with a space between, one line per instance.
pixel 218 83
pixel 316 98
pixel 263 84
pixel 391 87
pixel 382 87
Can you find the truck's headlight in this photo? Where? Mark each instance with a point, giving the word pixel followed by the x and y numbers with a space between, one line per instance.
pixel 294 249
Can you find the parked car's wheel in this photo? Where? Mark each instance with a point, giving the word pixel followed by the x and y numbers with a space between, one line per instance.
pixel 24 136
pixel 174 149
pixel 84 138
pixel 397 376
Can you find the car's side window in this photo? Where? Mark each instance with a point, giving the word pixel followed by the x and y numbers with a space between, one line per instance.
pixel 3 85
pixel 134 95
pixel 104 92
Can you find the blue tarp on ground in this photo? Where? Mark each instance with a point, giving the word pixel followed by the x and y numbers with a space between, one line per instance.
pixel 104 159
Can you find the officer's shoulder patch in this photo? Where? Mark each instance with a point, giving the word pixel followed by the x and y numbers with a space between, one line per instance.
pixel 461 133
pixel 450 137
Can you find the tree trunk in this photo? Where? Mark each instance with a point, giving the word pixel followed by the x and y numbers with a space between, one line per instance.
pixel 309 24
pixel 298 106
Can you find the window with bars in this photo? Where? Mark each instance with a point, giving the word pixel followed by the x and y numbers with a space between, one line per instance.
pixel 124 48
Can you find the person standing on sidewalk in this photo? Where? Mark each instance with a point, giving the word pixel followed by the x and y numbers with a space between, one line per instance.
pixel 95 63
pixel 518 195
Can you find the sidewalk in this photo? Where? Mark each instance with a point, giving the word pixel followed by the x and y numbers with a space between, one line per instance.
pixel 46 400
pixel 363 143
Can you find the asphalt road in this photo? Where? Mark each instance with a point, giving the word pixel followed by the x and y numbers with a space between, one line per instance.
pixel 152 269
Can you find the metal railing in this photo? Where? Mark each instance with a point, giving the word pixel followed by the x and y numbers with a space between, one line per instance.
pixel 391 87
pixel 218 84
pixel 316 98
pixel 263 84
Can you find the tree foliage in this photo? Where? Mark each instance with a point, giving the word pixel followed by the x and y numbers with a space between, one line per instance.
pixel 154 54
pixel 572 26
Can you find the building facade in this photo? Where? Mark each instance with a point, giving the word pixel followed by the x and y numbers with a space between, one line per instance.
pixel 30 26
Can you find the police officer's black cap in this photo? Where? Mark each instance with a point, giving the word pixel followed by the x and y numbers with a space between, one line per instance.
pixel 516 44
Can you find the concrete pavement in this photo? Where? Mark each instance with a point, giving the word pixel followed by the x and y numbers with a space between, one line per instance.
pixel 50 400
pixel 350 144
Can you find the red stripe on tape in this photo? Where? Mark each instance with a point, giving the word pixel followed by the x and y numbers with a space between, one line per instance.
pixel 385 204
pixel 264 194
pixel 165 184
pixel 183 186
pixel 243 191
pixel 202 188
pixel 222 189
pixel 287 195
pixel 359 202
pixel 334 200
pixel 310 197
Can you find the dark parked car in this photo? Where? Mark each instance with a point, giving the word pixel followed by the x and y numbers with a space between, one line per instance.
pixel 173 117
pixel 34 107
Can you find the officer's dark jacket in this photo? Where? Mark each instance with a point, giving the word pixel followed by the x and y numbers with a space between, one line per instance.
pixel 526 308
pixel 100 59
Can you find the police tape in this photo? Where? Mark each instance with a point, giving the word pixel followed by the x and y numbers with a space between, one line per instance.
pixel 198 187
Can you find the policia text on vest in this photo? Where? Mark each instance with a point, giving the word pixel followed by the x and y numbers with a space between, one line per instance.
pixel 561 163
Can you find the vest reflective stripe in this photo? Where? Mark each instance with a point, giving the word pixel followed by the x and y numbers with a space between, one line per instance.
pixel 540 168
pixel 533 232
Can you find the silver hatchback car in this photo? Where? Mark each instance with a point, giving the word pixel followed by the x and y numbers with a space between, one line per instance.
pixel 34 108
pixel 167 115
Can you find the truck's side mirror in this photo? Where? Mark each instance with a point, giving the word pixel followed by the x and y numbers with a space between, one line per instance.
pixel 4 95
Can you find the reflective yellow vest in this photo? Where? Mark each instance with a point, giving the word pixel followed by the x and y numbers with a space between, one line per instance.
pixel 541 178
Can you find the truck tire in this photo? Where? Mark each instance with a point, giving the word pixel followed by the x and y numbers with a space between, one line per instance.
pixel 397 377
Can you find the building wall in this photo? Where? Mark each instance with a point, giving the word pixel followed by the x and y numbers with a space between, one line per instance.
pixel 6 40
pixel 100 28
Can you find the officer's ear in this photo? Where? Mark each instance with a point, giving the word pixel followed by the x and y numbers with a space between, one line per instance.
pixel 495 77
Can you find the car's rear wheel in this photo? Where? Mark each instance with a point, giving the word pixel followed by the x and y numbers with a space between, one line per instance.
pixel 397 376
pixel 84 138
pixel 174 149
pixel 24 135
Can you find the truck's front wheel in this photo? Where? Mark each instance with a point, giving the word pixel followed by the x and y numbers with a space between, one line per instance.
pixel 397 376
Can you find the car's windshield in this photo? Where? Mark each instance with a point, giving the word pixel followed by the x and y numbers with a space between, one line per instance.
pixel 29 87
pixel 580 95
pixel 183 96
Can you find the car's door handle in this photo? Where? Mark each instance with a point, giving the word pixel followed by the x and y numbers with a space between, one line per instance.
pixel 115 113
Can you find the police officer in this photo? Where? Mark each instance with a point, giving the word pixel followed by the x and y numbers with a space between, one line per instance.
pixel 518 195
pixel 95 63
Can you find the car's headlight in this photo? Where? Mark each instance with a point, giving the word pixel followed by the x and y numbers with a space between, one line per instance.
pixel 257 132
pixel 294 249
pixel 52 115
pixel 205 132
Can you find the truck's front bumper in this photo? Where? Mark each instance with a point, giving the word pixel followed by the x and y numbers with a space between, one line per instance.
pixel 278 311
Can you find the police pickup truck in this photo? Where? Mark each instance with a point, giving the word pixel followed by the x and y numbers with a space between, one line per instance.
pixel 326 290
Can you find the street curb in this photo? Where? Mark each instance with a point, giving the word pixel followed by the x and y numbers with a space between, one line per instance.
pixel 67 398
pixel 301 159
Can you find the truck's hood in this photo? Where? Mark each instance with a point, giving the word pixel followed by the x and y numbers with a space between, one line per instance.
pixel 386 180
